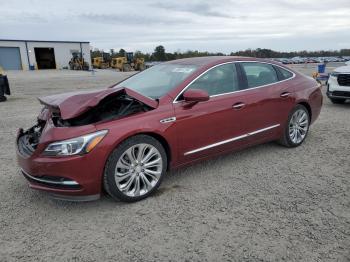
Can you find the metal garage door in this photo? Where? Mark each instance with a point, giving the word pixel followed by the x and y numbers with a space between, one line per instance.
pixel 10 58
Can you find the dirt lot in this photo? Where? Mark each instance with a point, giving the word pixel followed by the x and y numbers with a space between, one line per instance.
pixel 266 203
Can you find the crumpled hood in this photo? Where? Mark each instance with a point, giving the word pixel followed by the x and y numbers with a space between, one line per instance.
pixel 73 104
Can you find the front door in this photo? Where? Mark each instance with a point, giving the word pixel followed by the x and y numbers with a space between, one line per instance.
pixel 209 127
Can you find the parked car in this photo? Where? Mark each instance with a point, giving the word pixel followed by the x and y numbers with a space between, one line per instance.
pixel 297 60
pixel 338 85
pixel 285 61
pixel 125 138
pixel 321 60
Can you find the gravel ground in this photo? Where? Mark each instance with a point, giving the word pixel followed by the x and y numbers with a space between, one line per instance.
pixel 266 203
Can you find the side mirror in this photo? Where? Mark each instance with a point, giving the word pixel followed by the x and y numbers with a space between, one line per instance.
pixel 196 95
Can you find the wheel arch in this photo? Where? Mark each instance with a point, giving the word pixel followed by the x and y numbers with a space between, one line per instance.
pixel 161 139
pixel 163 142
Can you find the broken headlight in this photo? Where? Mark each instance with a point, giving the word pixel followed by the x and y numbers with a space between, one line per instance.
pixel 74 146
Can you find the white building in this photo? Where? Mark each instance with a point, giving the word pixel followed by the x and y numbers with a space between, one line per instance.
pixel 33 54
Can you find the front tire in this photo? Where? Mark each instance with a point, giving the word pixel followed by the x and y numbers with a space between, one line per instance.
pixel 135 168
pixel 297 127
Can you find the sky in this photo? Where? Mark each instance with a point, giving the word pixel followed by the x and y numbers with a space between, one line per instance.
pixel 181 25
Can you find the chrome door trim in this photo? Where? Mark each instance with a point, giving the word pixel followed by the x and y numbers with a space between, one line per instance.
pixel 262 130
pixel 231 140
pixel 237 91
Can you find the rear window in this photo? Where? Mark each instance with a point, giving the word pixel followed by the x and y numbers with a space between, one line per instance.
pixel 285 73
pixel 259 74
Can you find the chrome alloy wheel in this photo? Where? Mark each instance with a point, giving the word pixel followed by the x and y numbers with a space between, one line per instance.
pixel 298 126
pixel 138 170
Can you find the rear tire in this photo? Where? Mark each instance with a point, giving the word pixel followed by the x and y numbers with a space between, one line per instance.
pixel 135 169
pixel 337 100
pixel 296 128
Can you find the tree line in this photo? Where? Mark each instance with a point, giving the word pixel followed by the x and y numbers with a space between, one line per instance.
pixel 160 54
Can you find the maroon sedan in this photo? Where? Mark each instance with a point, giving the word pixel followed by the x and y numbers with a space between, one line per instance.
pixel 126 137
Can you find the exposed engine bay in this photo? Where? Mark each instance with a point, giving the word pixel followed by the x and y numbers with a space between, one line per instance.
pixel 109 108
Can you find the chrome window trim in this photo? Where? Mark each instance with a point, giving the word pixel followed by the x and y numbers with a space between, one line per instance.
pixel 231 140
pixel 237 91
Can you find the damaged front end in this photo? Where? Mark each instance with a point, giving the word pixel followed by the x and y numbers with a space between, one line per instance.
pixel 80 109
pixel 62 152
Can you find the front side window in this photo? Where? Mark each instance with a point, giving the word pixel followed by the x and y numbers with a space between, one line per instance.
pixel 259 74
pixel 218 80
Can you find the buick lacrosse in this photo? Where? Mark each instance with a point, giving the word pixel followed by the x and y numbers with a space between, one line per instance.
pixel 124 138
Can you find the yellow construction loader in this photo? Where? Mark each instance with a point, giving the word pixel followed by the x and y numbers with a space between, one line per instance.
pixel 128 63
pixel 120 63
pixel 78 63
pixel 98 62
pixel 139 64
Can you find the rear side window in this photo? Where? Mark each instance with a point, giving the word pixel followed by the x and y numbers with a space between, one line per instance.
pixel 218 80
pixel 259 74
pixel 285 73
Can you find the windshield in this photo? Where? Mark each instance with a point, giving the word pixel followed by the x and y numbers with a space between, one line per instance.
pixel 158 80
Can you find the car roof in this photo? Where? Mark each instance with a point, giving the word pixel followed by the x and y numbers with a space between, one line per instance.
pixel 209 60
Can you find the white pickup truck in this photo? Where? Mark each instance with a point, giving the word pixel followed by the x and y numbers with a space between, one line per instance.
pixel 338 85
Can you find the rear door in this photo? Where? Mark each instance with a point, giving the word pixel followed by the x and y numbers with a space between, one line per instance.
pixel 270 99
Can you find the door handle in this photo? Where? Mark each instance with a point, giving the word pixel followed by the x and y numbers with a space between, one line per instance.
pixel 238 105
pixel 285 94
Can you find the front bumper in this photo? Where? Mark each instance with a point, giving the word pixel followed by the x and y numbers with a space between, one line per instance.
pixel 334 90
pixel 70 178
pixel 339 94
pixel 47 184
pixel 52 182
